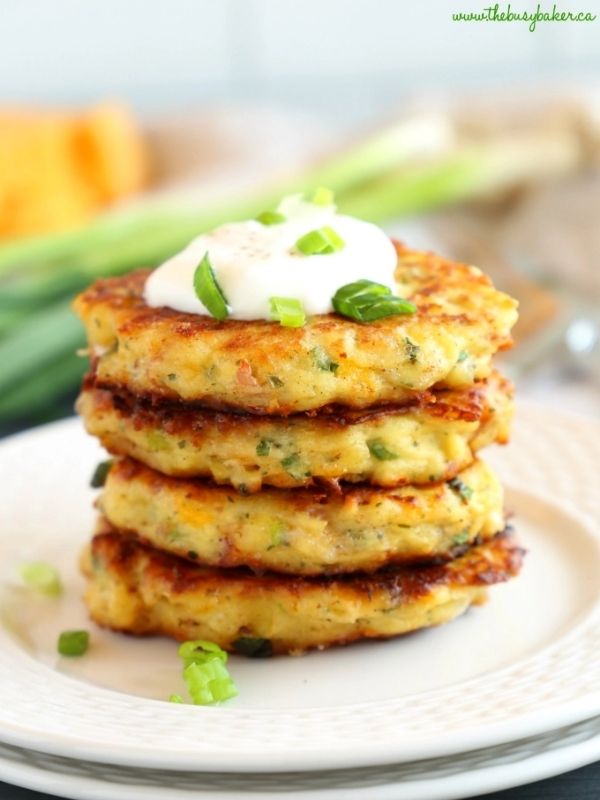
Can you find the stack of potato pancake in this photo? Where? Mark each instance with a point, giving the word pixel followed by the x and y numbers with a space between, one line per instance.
pixel 278 489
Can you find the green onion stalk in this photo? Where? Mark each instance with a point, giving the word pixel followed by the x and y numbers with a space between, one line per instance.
pixel 470 173
pixel 410 167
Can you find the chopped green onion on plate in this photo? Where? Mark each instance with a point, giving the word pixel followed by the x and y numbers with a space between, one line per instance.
pixel 43 577
pixel 207 678
pixel 73 643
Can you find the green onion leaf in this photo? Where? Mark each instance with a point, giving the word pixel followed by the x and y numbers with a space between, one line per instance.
pixel 460 539
pixel 380 451
pixel 271 218
pixel 175 698
pixel 462 356
pixel 294 467
pixel 465 492
pixel 366 301
pixel 278 536
pixel 98 479
pixel 354 291
pixel 287 311
pixel 412 350
pixel 374 308
pixel 43 577
pixel 73 643
pixel 263 448
pixel 253 647
pixel 320 242
pixel 322 197
pixel 208 290
pixel 323 361
pixel 290 461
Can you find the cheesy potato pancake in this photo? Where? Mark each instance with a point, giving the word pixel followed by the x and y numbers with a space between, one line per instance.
pixel 139 590
pixel 303 531
pixel 265 368
pixel 386 446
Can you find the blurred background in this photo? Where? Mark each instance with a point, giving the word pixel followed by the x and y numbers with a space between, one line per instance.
pixel 128 128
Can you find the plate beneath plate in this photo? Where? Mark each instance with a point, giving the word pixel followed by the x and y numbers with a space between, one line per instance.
pixel 458 776
pixel 527 662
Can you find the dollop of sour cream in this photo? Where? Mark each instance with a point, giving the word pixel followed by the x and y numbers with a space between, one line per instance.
pixel 253 262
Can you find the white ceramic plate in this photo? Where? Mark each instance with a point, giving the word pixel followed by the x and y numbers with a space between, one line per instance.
pixel 449 778
pixel 527 662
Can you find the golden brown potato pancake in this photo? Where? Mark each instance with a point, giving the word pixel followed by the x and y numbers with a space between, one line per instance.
pixel 264 368
pixel 139 590
pixel 387 446
pixel 303 531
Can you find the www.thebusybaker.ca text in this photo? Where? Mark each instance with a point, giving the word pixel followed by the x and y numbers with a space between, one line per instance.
pixel 497 14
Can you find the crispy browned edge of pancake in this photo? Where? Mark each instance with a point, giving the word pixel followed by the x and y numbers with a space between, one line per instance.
pixel 469 405
pixel 481 567
pixel 495 561
pixel 301 498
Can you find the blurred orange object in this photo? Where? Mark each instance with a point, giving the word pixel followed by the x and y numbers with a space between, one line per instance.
pixel 57 169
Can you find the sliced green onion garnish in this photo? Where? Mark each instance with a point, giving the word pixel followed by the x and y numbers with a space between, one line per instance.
pixel 209 682
pixel 205 673
pixel 175 698
pixel 208 290
pixel 380 451
pixel 199 651
pixel 43 577
pixel 271 218
pixel 287 311
pixel 352 292
pixel 73 643
pixel 253 647
pixel 98 479
pixel 372 308
pixel 366 301
pixel 320 242
pixel 462 489
pixel 322 197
